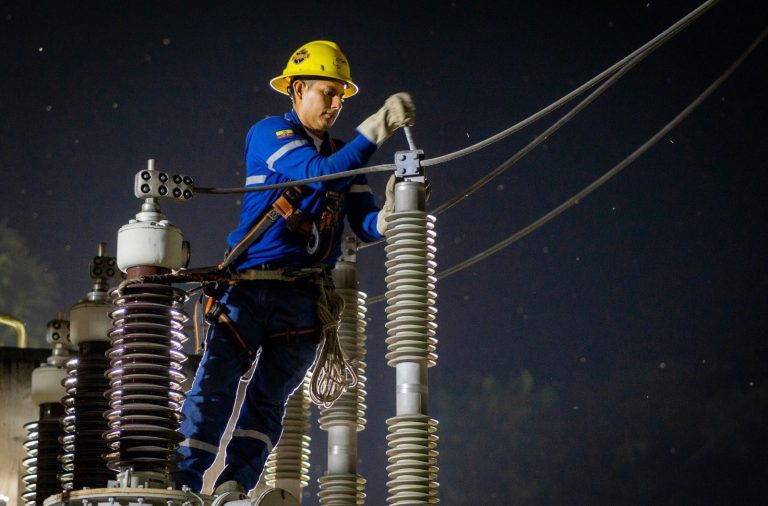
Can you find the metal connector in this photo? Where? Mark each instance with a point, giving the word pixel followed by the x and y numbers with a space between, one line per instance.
pixel 151 183
pixel 408 165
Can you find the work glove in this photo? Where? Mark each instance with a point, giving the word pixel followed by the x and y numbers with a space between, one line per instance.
pixel 398 111
pixel 388 207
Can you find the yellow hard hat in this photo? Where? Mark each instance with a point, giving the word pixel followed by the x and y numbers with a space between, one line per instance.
pixel 319 58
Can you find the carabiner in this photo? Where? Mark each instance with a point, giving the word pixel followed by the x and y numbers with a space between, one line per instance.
pixel 314 240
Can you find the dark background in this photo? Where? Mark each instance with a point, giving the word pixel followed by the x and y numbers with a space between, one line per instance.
pixel 615 356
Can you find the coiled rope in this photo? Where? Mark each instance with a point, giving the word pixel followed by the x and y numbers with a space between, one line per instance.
pixel 333 373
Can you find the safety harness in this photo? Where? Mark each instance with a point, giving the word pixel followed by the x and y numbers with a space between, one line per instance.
pixel 320 234
pixel 332 373
pixel 320 239
pixel 215 312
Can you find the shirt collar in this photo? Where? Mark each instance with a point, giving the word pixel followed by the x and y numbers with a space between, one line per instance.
pixel 294 118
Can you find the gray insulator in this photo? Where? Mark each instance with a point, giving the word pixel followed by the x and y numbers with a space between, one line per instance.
pixel 410 295
pixel 288 465
pixel 342 490
pixel 350 407
pixel 410 288
pixel 342 485
pixel 412 458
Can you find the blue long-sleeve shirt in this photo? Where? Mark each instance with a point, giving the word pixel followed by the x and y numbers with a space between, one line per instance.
pixel 278 149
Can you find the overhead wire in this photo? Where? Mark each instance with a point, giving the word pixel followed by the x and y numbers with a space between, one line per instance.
pixel 611 75
pixel 647 47
pixel 619 68
pixel 616 72
pixel 575 199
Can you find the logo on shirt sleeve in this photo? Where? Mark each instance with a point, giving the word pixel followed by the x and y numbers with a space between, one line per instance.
pixel 284 134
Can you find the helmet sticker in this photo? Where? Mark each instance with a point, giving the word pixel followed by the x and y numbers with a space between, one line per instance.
pixel 300 56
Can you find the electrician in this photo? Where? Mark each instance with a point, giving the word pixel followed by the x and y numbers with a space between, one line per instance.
pixel 286 239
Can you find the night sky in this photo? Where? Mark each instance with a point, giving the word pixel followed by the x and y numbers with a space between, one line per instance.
pixel 659 273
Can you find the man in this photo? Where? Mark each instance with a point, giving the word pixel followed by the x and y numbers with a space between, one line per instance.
pixel 271 312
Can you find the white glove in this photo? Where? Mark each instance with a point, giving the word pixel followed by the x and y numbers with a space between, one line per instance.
pixel 389 206
pixel 398 111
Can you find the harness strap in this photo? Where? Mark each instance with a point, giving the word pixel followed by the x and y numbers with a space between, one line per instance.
pixel 256 231
pixel 292 336
pixel 249 353
pixel 287 207
pixel 329 219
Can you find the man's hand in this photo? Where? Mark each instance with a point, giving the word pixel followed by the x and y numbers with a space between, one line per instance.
pixel 398 111
pixel 388 207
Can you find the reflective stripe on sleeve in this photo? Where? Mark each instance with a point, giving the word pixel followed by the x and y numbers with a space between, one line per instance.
pixel 360 188
pixel 255 180
pixel 200 445
pixel 285 148
pixel 255 435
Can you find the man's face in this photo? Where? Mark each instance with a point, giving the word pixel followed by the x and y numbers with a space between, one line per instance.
pixel 318 103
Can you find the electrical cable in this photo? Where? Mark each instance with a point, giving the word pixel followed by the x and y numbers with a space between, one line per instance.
pixel 626 64
pixel 605 177
pixel 647 47
pixel 618 69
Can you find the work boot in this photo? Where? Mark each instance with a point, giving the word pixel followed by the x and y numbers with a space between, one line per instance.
pixel 230 487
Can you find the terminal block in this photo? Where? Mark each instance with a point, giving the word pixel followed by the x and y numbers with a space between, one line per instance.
pixel 150 183
pixel 104 267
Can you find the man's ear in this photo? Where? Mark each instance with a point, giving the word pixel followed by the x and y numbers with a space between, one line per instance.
pixel 298 88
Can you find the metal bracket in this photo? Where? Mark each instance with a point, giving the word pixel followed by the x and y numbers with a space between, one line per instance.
pixel 349 245
pixel 408 165
pixel 150 183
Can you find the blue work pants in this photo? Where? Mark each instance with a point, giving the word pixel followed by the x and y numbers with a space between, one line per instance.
pixel 256 309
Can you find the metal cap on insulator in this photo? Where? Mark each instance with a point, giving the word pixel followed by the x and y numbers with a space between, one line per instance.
pixel 46 385
pixel 89 318
pixel 90 321
pixel 151 240
pixel 410 196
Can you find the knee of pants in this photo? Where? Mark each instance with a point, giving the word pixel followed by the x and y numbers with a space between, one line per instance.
pixel 281 369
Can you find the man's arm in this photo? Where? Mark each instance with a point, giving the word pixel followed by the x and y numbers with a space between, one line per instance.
pixel 362 212
pixel 277 147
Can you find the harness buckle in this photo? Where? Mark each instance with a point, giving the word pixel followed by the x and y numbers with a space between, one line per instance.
pixel 214 312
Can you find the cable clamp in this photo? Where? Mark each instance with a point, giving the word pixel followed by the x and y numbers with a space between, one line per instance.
pixel 408 165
